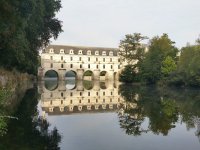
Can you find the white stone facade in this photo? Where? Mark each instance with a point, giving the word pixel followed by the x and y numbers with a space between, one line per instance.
pixel 79 60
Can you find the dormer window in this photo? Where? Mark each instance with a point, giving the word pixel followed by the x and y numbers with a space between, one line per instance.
pixel 104 53
pixel 71 51
pixel 110 53
pixel 96 52
pixel 80 52
pixel 61 51
pixel 88 52
pixel 51 50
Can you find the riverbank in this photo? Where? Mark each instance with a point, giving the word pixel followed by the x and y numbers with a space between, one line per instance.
pixel 13 86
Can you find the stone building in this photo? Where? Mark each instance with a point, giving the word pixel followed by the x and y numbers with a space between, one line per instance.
pixel 79 59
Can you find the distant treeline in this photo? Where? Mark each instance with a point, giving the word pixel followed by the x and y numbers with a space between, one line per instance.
pixel 162 64
pixel 25 27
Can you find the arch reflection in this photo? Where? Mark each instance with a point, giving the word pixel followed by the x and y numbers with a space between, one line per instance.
pixel 51 85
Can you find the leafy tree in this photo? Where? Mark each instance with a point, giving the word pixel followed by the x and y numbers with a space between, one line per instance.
pixel 159 49
pixel 168 66
pixel 131 49
pixel 128 74
pixel 188 68
pixel 26 26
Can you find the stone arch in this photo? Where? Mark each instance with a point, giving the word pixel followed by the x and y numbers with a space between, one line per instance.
pixel 71 74
pixel 88 75
pixel 51 75
pixel 103 75
pixel 115 76
pixel 70 80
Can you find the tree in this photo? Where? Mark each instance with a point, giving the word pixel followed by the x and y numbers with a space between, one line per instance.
pixel 26 26
pixel 159 49
pixel 168 66
pixel 131 49
pixel 128 74
pixel 188 67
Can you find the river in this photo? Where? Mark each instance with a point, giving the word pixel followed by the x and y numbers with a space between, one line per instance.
pixel 85 115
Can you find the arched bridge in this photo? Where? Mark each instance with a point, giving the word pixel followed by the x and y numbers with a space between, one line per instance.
pixel 90 63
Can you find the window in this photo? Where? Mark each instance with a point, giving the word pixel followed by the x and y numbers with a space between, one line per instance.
pixel 103 93
pixel 51 57
pixel 61 102
pixel 104 53
pixel 96 100
pixel 104 59
pixel 119 60
pixel 118 66
pixel 88 65
pixel 79 101
pixel 88 100
pixel 111 93
pixel 110 59
pixel 88 58
pixel 111 53
pixel 111 66
pixel 97 66
pixel 71 65
pixel 96 59
pixel 96 52
pixel 70 101
pixel 62 66
pixel 80 59
pixel 71 58
pixel 103 66
pixel 61 94
pixel 51 65
pixel 80 65
pixel 80 52
pixel 97 93
pixel 111 100
pixel 104 100
pixel 88 93
pixel 51 102
pixel 71 94
pixel 80 93
pixel 51 50
pixel 88 52
pixel 71 51
pixel 62 51
pixel 61 57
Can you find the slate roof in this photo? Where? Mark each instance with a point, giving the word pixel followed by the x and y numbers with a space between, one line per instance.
pixel 76 49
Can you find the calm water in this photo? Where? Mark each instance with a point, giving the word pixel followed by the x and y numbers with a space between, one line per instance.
pixel 88 115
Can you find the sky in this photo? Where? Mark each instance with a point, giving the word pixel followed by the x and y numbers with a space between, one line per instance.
pixel 103 23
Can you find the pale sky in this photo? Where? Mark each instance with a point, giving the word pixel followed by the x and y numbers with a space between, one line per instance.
pixel 105 22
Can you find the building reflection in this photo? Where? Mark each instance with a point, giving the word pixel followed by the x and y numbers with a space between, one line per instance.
pixel 71 96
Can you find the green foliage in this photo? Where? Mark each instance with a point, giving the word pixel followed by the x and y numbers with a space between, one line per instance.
pixel 188 69
pixel 26 26
pixel 3 126
pixel 128 74
pixel 130 48
pixel 160 48
pixel 168 66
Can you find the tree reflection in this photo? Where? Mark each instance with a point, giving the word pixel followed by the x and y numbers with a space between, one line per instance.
pixel 30 131
pixel 163 108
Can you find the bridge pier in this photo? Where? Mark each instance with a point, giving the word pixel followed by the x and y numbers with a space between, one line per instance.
pixel 110 75
pixel 80 74
pixel 96 74
pixel 61 74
